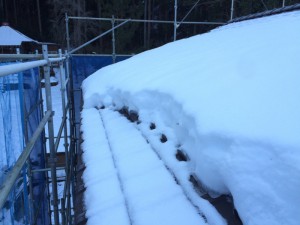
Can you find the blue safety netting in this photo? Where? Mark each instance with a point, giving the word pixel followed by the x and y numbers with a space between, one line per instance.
pixel 82 67
pixel 20 114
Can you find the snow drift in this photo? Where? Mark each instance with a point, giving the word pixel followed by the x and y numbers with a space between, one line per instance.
pixel 230 98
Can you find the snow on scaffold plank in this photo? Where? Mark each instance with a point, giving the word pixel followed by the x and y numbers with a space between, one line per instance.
pixel 121 164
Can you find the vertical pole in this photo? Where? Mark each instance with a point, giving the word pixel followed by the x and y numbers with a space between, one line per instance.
pixel 26 139
pixel 28 204
pixel 39 16
pixel 175 20
pixel 64 118
pixel 145 24
pixel 67 75
pixel 232 9
pixel 113 40
pixel 63 103
pixel 69 168
pixel 283 3
pixel 73 137
pixel 52 160
pixel 41 109
pixel 63 212
pixel 67 31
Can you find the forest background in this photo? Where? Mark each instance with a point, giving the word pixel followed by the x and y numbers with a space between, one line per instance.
pixel 44 20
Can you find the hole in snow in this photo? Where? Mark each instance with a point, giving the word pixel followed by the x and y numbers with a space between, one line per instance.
pixel 181 156
pixel 176 180
pixel 124 112
pixel 152 126
pixel 163 138
pixel 133 116
pixel 100 107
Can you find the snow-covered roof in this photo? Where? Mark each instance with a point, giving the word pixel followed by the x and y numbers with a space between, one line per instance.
pixel 230 99
pixel 12 37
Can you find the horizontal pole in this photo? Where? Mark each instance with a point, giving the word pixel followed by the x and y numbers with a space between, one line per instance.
pixel 108 55
pixel 14 173
pixel 146 21
pixel 24 56
pixel 52 60
pixel 53 210
pixel 57 137
pixel 19 67
pixel 46 169
pixel 62 179
pixel 96 38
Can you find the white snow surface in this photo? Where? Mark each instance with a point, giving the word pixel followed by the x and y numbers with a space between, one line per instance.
pixel 126 181
pixel 230 99
pixel 10 36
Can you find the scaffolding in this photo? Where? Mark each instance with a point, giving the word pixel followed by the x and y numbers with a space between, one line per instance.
pixel 24 165
pixel 23 172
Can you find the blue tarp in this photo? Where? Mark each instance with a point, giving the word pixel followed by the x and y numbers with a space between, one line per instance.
pixel 82 67
pixel 20 98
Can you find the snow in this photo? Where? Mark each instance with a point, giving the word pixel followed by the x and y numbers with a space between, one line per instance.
pixel 151 195
pixel 53 81
pixel 56 98
pixel 230 99
pixel 9 36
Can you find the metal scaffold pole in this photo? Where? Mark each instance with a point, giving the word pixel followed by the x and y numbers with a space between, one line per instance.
pixel 175 20
pixel 232 9
pixel 52 160
pixel 69 170
pixel 64 104
pixel 113 40
pixel 99 36
pixel 67 31
pixel 62 72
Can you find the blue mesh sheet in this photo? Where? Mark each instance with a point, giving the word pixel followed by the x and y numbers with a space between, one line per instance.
pixel 11 145
pixel 82 67
pixel 33 111
pixel 19 102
